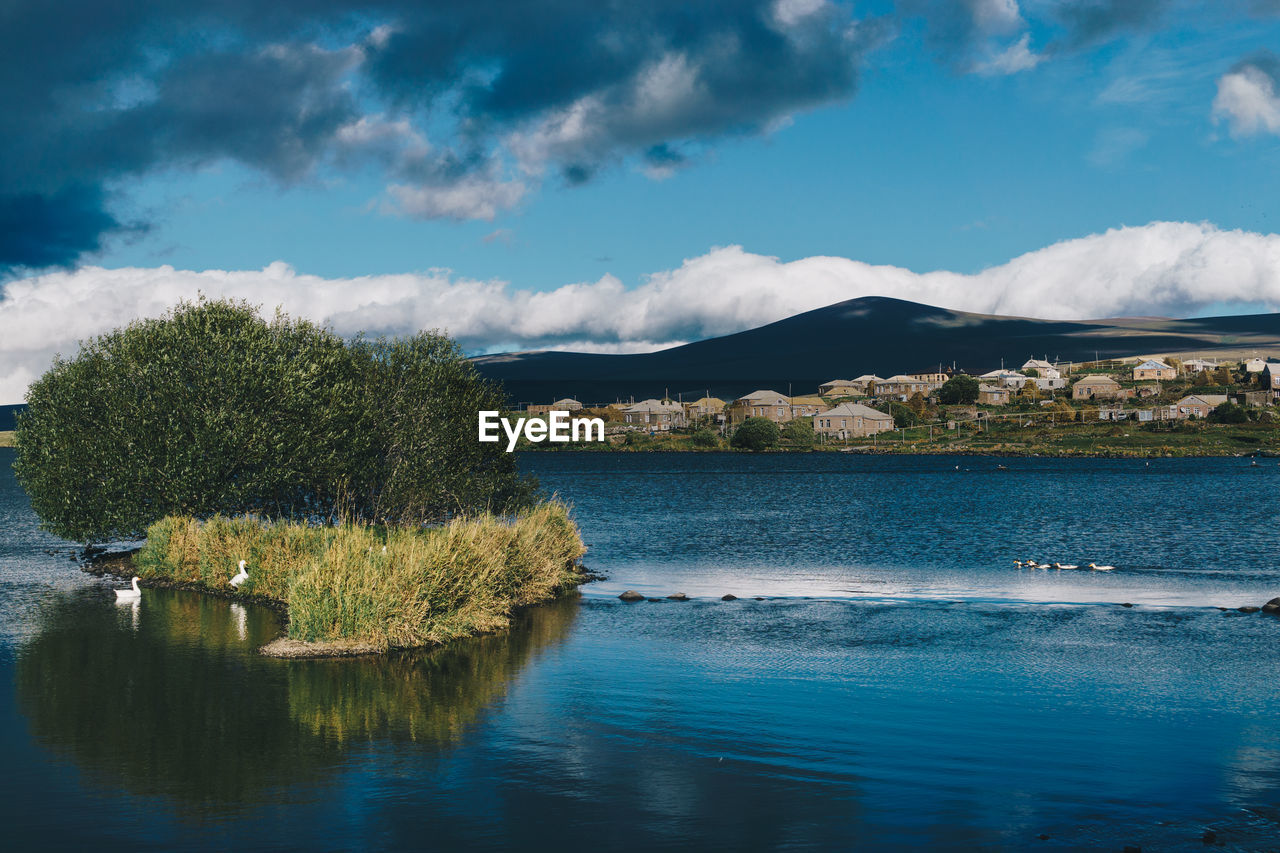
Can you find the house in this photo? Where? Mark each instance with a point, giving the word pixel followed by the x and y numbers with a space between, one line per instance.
pixel 1196 406
pixel 1199 365
pixel 936 380
pixel 705 407
pixel 900 387
pixel 1255 365
pixel 848 387
pixel 1271 376
pixel 851 420
pixel 993 395
pixel 807 406
pixel 658 415
pixel 761 404
pixel 1259 398
pixel 1004 378
pixel 1043 369
pixel 1154 369
pixel 563 405
pixel 1112 413
pixel 1096 386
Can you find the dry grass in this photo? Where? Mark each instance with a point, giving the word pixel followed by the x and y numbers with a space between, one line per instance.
pixel 431 585
pixel 7 439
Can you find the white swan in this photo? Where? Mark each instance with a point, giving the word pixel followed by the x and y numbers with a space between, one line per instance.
pixel 240 578
pixel 133 594
pixel 1097 568
pixel 1065 566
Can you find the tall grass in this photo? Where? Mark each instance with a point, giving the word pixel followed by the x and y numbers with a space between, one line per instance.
pixel 431 584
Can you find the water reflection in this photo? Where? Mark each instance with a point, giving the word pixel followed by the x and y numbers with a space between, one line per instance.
pixel 169 698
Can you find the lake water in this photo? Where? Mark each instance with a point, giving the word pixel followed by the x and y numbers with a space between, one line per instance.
pixel 901 684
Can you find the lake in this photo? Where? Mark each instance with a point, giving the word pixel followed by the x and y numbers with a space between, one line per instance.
pixel 900 683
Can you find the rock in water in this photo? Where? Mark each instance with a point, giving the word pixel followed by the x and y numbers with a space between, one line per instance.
pixel 1272 606
pixel 1247 609
pixel 631 595
pixel 678 596
pixel 728 596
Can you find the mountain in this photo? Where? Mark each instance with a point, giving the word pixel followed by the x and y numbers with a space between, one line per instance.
pixel 867 335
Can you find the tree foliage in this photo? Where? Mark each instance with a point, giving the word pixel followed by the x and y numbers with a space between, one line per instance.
pixel 212 410
pixel 1228 413
pixel 755 434
pixel 798 433
pixel 959 389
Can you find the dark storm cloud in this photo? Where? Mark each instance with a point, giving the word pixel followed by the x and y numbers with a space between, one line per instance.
pixel 1090 21
pixel 94 94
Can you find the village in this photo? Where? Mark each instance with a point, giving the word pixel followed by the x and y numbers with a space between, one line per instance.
pixel 870 412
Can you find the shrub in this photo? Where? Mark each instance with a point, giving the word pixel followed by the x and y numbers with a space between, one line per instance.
pixel 705 438
pixel 798 433
pixel 959 390
pixel 210 410
pixel 1228 413
pixel 755 434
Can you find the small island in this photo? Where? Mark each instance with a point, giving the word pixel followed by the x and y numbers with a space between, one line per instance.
pixel 337 481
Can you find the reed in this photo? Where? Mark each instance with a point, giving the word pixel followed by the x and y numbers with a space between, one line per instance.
pixel 431 585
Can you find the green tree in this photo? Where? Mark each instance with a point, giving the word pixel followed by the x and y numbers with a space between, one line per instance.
pixel 798 433
pixel 704 438
pixel 755 434
pixel 1228 413
pixel 903 416
pixel 960 389
pixel 212 410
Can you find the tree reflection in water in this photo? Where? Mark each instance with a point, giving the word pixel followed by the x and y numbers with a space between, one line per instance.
pixel 176 703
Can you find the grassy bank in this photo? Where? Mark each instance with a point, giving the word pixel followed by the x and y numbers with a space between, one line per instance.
pixel 6 439
pixel 431 585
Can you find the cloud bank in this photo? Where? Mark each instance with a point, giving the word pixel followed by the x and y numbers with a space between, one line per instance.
pixel 1164 268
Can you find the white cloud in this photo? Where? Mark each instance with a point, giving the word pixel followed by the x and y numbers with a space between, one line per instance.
pixel 470 197
pixel 1168 268
pixel 1015 58
pixel 1247 101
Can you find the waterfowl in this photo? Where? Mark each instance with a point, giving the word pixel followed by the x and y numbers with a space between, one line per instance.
pixel 1018 563
pixel 1066 566
pixel 241 577
pixel 133 594
pixel 1097 568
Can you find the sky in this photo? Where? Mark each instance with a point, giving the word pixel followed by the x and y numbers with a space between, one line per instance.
pixel 616 177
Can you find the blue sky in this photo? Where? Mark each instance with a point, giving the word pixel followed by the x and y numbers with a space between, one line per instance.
pixel 924 166
pixel 617 177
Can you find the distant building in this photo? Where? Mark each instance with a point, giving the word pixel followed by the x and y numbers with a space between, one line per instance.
pixel 933 380
pixel 1097 387
pixel 993 395
pixel 901 387
pixel 1043 368
pixel 705 407
pixel 1271 376
pixel 564 405
pixel 1198 365
pixel 1004 378
pixel 657 415
pixel 1255 365
pixel 1258 398
pixel 848 387
pixel 1154 369
pixel 807 406
pixel 1196 406
pixel 761 404
pixel 851 420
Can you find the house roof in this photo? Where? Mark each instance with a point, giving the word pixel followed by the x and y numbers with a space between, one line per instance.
pixel 986 389
pixel 1036 363
pixel 808 400
pixel 707 403
pixel 902 378
pixel 566 403
pixel 653 406
pixel 835 382
pixel 765 396
pixel 868 377
pixel 850 410
pixel 1153 364
pixel 1097 379
pixel 1204 399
